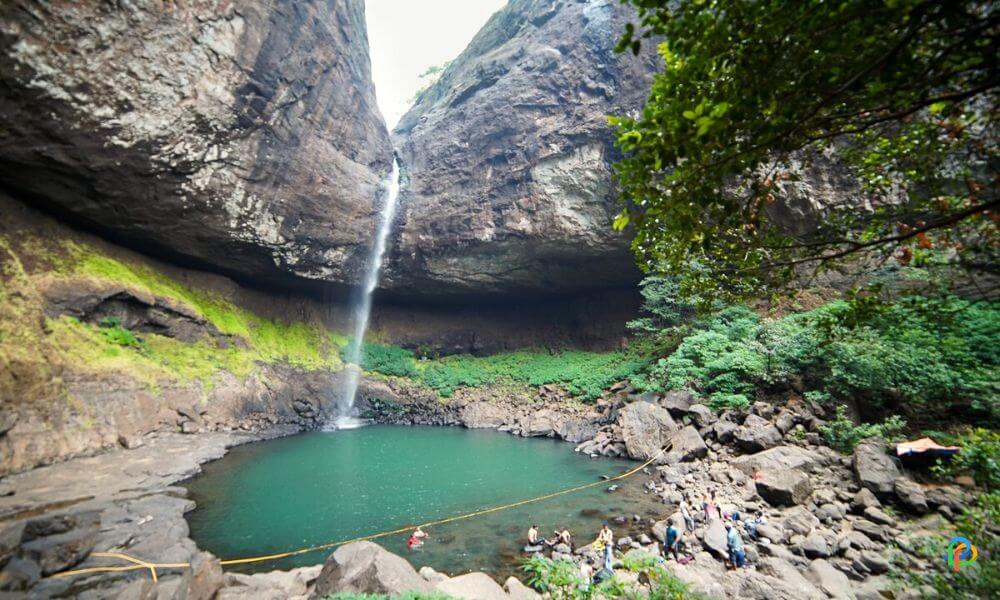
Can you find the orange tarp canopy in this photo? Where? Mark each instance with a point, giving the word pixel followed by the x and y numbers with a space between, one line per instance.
pixel 924 445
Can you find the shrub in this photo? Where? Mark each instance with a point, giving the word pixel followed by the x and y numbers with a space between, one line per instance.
pixel 719 402
pixel 389 360
pixel 558 578
pixel 979 458
pixel 843 435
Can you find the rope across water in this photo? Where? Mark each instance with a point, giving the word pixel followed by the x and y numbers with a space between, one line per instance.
pixel 137 563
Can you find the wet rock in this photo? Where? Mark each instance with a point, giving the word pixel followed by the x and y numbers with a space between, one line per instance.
pixel 757 434
pixel 645 429
pixel 874 468
pixel 911 495
pixel 685 445
pixel 783 488
pixel 366 568
pixel 830 580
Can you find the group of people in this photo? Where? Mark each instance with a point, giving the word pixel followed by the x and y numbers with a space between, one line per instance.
pixel 710 509
pixel 603 545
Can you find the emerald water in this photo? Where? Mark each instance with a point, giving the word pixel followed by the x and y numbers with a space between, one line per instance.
pixel 319 487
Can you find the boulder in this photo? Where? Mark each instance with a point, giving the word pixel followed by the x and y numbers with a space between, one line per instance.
pixel 911 495
pixel 60 551
pixel 701 415
pixel 871 530
pixel 685 445
pixel 367 568
pixel 771 532
pixel 10 539
pixel 784 571
pixel 830 580
pixel 715 539
pixel 19 574
pixel 206 577
pixel 874 562
pixel 879 516
pixel 646 428
pixel 677 402
pixel 779 458
pixel 483 415
pixel 724 429
pixel 864 499
pixel 799 520
pixel 874 468
pixel 816 546
pixel 472 586
pixel 518 591
pixel 756 434
pixel 783 488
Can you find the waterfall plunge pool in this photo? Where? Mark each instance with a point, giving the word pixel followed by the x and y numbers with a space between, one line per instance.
pixel 313 488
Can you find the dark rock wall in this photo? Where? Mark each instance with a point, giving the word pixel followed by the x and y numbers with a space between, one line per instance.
pixel 244 135
pixel 507 158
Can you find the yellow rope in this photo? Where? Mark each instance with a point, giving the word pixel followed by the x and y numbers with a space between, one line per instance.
pixel 141 564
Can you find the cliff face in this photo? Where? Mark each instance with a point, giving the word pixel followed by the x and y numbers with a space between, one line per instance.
pixel 241 134
pixel 508 157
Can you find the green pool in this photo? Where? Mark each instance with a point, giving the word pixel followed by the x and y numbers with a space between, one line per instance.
pixel 314 488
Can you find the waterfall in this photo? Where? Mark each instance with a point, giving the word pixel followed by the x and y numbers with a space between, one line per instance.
pixel 362 308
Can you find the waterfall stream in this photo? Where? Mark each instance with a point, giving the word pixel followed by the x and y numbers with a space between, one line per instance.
pixel 362 307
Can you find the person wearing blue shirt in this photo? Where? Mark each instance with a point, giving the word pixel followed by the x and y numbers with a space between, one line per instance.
pixel 671 541
pixel 737 556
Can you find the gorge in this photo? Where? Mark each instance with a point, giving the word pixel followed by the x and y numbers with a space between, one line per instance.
pixel 217 261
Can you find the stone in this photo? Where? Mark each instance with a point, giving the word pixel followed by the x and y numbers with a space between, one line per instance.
pixel 507 156
pixel 473 586
pixel 785 421
pixel 879 516
pixel 724 429
pixel 911 495
pixel 871 530
pixel 367 568
pixel 715 539
pixel 827 578
pixel 799 520
pixel 206 577
pixel 677 402
pixel 60 551
pixel 685 445
pixel 19 574
pixel 874 562
pixel 874 468
pixel 787 573
pixel 701 415
pixel 864 499
pixel 10 539
pixel 646 428
pixel 783 488
pixel 779 458
pixel 829 512
pixel 816 546
pixel 518 591
pixel 857 540
pixel 771 532
pixel 757 434
pixel 226 117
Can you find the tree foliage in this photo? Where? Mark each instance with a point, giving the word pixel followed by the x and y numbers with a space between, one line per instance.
pixel 900 94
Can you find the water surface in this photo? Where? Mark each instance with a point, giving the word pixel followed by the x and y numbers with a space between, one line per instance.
pixel 319 487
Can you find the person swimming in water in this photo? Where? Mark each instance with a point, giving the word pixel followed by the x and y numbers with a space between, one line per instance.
pixel 416 538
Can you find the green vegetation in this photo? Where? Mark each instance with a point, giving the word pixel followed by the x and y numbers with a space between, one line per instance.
pixel 842 434
pixel 561 580
pixel 404 596
pixel 753 93
pixel 917 355
pixel 584 374
pixel 979 458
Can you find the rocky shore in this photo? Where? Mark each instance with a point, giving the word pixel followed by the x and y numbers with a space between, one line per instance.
pixel 835 523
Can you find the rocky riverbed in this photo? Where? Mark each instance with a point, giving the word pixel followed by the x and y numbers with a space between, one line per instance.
pixel 835 523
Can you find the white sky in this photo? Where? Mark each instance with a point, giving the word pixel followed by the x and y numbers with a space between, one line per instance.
pixel 407 36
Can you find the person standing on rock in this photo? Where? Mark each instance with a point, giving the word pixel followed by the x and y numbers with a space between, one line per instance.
pixel 671 540
pixel 737 556
pixel 606 541
pixel 686 515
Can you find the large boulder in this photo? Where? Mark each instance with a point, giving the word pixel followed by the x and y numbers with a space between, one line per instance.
pixel 367 568
pixel 483 415
pixel 911 495
pixel 786 572
pixel 508 157
pixel 685 445
pixel 756 434
pixel 243 135
pixel 472 586
pixel 783 488
pixel 715 539
pixel 777 459
pixel 830 580
pixel 646 428
pixel 874 468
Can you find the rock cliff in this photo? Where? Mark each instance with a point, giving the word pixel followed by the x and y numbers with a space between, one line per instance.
pixel 244 135
pixel 507 157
